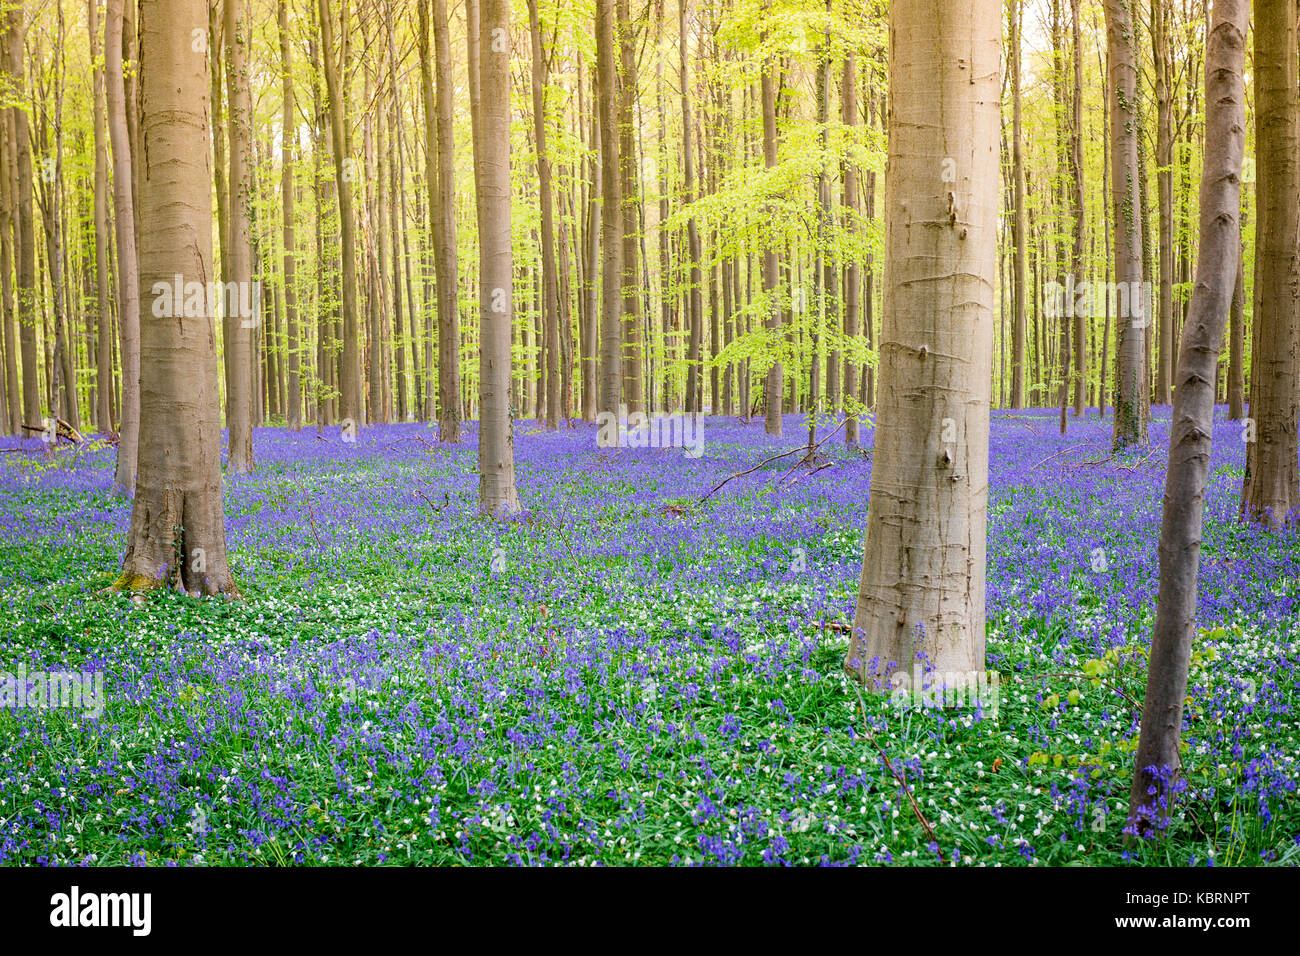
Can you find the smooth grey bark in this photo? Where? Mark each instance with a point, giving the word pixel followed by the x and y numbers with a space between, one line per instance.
pixel 1271 489
pixel 238 327
pixel 923 574
pixel 1158 761
pixel 128 269
pixel 497 494
pixel 177 535
pixel 1131 407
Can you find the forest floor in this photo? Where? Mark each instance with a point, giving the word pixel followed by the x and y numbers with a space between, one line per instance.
pixel 624 673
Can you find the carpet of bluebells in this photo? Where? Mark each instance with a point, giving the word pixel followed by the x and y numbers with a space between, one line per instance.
pixel 623 672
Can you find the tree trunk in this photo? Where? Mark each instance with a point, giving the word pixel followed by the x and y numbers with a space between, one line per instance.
pixel 633 372
pixel 25 231
pixel 1271 489
pixel 772 394
pixel 550 281
pixel 922 587
pixel 443 212
pixel 1162 63
pixel 497 494
pixel 128 270
pixel 177 535
pixel 8 187
pixel 1237 346
pixel 238 324
pixel 289 135
pixel 1020 225
pixel 694 299
pixel 1158 762
pixel 103 309
pixel 852 278
pixel 611 218
pixel 344 173
pixel 1130 359
pixel 1080 377
pixel 395 194
pixel 592 262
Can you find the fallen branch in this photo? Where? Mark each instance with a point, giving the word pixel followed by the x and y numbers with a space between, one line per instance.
pixel 1065 451
pixel 765 461
pixel 61 430
pixel 813 450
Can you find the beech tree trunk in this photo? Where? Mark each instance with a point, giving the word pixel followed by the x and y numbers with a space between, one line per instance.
pixel 497 494
pixel 1237 346
pixel 344 174
pixel 238 325
pixel 772 393
pixel 611 218
pixel 694 299
pixel 1131 408
pixel 177 535
pixel 922 586
pixel 1162 63
pixel 103 309
pixel 852 276
pixel 128 270
pixel 25 227
pixel 633 356
pixel 1271 489
pixel 1019 220
pixel 8 187
pixel 592 262
pixel 1080 374
pixel 1158 760
pixel 550 280
pixel 289 156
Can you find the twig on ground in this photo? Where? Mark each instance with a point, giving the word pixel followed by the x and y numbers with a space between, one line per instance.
pixel 902 781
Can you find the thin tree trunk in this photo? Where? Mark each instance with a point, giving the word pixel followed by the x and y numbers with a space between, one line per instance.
pixel 288 160
pixel 344 173
pixel 633 371
pixel 1019 222
pixel 772 395
pixel 591 295
pixel 1237 346
pixel 1158 761
pixel 103 308
pixel 550 281
pixel 611 219
pixel 1130 362
pixel 497 494
pixel 1080 375
pixel 128 270
pixel 1162 62
pixel 8 187
pixel 238 325
pixel 694 299
pixel 852 277
pixel 25 231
